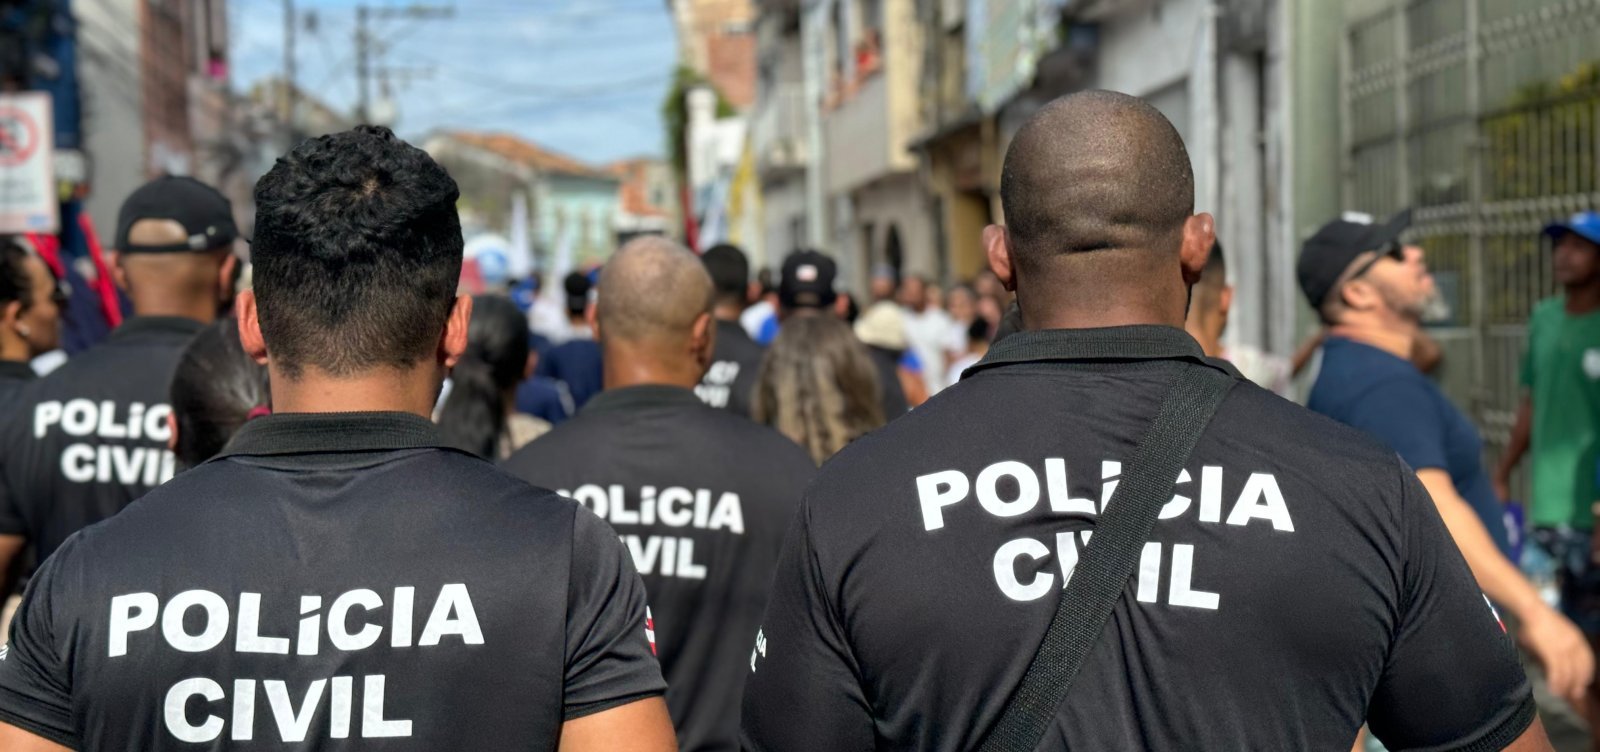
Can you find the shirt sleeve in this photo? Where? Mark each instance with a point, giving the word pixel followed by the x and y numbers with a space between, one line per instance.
pixel 35 676
pixel 11 520
pixel 803 692
pixel 1452 679
pixel 610 654
pixel 1404 416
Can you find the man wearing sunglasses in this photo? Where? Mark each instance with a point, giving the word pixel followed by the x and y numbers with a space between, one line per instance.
pixel 1370 290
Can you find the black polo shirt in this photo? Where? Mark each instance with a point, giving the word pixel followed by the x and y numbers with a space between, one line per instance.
pixel 730 382
pixel 331 582
pixel 702 498
pixel 1299 582
pixel 13 376
pixel 79 444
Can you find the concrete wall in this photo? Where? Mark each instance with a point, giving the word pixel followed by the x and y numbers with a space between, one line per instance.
pixel 113 118
pixel 898 202
pixel 783 204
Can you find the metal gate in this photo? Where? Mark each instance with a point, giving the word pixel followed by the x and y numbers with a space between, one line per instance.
pixel 1484 115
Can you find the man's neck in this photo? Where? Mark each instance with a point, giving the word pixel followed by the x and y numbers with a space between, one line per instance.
pixel 413 391
pixel 1397 338
pixel 14 348
pixel 204 313
pixel 1583 299
pixel 623 367
pixel 1076 317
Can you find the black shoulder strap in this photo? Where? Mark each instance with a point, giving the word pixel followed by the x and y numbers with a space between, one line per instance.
pixel 1101 576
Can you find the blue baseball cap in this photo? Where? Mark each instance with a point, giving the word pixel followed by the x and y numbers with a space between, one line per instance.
pixel 1585 225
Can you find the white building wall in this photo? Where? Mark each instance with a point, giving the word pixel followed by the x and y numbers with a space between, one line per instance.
pixel 113 119
pixel 1227 105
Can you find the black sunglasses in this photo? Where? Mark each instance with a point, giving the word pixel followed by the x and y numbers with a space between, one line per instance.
pixel 1393 250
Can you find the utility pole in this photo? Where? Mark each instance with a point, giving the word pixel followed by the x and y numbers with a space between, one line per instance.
pixel 290 92
pixel 367 46
pixel 362 72
pixel 813 25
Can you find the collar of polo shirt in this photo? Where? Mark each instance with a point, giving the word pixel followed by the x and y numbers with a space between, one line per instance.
pixel 1121 343
pixel 302 433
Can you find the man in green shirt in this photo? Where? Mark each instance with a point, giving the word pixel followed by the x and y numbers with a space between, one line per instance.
pixel 1559 419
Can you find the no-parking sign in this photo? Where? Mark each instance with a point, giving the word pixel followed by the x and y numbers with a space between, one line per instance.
pixel 28 201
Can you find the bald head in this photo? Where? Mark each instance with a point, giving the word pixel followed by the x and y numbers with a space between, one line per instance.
pixel 1094 171
pixel 652 291
pixel 1099 208
pixel 193 284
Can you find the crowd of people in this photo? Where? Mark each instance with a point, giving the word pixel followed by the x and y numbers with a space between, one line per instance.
pixel 324 499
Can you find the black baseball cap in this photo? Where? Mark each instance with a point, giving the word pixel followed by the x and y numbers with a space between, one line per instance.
pixel 577 287
pixel 1326 256
pixel 807 281
pixel 205 214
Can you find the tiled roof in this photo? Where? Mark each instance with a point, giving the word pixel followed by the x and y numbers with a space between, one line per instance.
pixel 528 153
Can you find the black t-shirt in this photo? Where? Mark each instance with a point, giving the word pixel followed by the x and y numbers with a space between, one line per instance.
pixel 1300 580
pixel 730 382
pixel 891 394
pixel 330 580
pixel 13 376
pixel 702 499
pixel 80 444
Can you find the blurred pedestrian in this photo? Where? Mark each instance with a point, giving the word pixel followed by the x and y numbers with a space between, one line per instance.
pixel 1209 305
pixel 30 316
pixel 83 442
pixel 1559 421
pixel 216 388
pixel 1210 302
pixel 465 609
pixel 884 284
pixel 575 363
pixel 977 346
pixel 700 496
pixel 818 386
pixel 479 414
pixel 919 582
pixel 882 329
pixel 730 381
pixel 927 330
pixel 765 308
pixel 963 309
pixel 1370 289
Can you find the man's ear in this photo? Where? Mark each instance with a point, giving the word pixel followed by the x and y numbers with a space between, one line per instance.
pixel 1225 302
pixel 10 312
pixel 250 327
pixel 227 276
pixel 1199 235
pixel 997 245
pixel 703 339
pixel 454 343
pixel 119 275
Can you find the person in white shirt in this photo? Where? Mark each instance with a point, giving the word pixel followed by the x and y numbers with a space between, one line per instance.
pixel 927 330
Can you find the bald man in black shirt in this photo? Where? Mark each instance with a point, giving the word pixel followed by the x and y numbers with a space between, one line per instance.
pixel 1297 583
pixel 701 496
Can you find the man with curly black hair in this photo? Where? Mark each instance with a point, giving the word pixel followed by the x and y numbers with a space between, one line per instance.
pixel 337 575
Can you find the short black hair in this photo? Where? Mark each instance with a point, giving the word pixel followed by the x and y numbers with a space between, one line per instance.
pixel 215 387
pixel 14 281
pixel 357 253
pixel 729 269
pixel 1092 171
pixel 577 286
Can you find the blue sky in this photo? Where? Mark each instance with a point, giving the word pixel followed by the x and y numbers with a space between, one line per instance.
pixel 583 77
